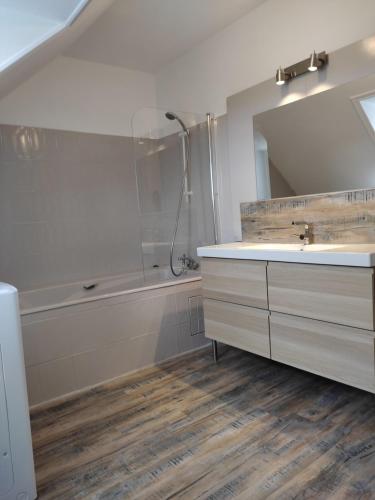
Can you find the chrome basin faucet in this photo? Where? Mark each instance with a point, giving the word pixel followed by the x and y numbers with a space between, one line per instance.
pixel 306 236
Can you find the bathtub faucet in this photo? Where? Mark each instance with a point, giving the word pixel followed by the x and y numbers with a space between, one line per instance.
pixel 188 262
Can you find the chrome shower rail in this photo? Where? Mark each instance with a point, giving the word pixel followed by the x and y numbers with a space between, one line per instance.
pixel 211 153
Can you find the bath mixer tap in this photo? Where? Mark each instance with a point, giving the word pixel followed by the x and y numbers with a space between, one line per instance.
pixel 188 262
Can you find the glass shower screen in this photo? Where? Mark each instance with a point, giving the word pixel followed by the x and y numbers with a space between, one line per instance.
pixel 162 153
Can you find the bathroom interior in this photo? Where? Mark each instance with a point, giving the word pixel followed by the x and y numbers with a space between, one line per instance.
pixel 187 249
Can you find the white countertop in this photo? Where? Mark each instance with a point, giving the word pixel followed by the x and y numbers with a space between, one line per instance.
pixel 337 254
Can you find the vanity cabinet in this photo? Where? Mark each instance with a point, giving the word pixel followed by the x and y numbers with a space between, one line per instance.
pixel 338 294
pixel 319 318
pixel 233 280
pixel 339 352
pixel 237 325
pixel 236 303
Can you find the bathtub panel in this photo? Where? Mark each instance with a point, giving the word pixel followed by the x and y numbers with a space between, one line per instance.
pixel 127 320
pixel 102 364
pixel 91 328
pixel 50 380
pixel 122 357
pixel 33 385
pixel 74 347
pixel 84 330
pixel 187 341
pixel 155 347
pixel 47 340
pixel 57 377
pixel 159 312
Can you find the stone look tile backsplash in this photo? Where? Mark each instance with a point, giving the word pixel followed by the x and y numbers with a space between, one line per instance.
pixel 345 217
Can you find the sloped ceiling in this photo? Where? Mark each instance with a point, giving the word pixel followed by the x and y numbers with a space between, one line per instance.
pixel 32 61
pixel 147 34
pixel 48 9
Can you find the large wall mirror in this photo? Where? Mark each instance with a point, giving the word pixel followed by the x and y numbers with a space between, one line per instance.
pixel 323 143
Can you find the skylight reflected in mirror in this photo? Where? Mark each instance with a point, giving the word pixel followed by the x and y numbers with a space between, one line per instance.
pixel 368 107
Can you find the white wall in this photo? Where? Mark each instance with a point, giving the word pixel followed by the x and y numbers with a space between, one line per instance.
pixel 71 94
pixel 250 50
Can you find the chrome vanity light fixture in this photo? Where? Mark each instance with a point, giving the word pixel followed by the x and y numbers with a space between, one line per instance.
pixel 314 63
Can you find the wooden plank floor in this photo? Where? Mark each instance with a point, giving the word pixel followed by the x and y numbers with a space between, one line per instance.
pixel 246 428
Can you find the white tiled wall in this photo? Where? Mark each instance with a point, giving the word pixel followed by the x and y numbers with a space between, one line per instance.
pixel 68 207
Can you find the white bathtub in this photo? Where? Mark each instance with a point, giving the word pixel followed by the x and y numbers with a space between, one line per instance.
pixel 76 338
pixel 53 297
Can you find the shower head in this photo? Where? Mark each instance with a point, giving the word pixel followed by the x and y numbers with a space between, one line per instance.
pixel 172 116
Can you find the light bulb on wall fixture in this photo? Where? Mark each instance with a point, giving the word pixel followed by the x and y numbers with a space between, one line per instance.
pixel 314 62
pixel 281 76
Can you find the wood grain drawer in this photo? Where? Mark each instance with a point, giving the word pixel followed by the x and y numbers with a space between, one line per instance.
pixel 239 281
pixel 240 326
pixel 338 294
pixel 338 352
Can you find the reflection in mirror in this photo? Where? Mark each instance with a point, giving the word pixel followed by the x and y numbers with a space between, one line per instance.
pixel 323 143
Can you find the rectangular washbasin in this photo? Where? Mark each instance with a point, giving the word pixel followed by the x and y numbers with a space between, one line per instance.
pixel 338 254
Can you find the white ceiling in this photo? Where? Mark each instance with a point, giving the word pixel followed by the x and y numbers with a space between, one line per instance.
pixel 147 34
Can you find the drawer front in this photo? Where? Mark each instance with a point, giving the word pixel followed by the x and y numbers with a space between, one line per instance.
pixel 338 352
pixel 239 281
pixel 338 294
pixel 240 326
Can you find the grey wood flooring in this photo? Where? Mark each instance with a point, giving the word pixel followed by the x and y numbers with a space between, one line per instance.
pixel 246 428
